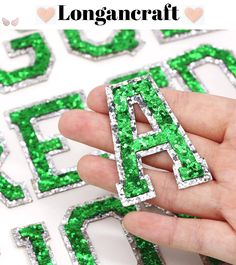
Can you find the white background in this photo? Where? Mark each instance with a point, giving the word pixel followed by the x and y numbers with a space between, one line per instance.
pixel 217 14
pixel 71 72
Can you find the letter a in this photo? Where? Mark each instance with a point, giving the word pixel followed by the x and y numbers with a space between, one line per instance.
pixel 166 135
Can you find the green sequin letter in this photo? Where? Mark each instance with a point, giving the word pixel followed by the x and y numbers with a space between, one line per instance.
pixel 208 53
pixel 73 231
pixel 34 238
pixel 169 33
pixel 122 41
pixel 11 193
pixel 42 60
pixel 166 135
pixel 46 181
pixel 155 71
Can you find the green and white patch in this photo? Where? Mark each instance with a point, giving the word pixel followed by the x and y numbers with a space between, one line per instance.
pixel 41 62
pixel 74 232
pixel 12 194
pixel 166 135
pixel 182 66
pixel 157 71
pixel 169 35
pixel 118 43
pixel 35 239
pixel 47 180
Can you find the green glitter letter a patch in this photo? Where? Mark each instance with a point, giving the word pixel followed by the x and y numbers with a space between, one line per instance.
pixel 122 41
pixel 12 194
pixel 166 135
pixel 47 180
pixel 77 241
pixel 41 60
pixel 34 238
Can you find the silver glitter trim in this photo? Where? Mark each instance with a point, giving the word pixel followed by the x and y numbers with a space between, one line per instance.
pixel 8 203
pixel 27 244
pixel 49 155
pixel 147 206
pixel 108 39
pixel 86 236
pixel 171 74
pixel 165 69
pixel 191 67
pixel 177 164
pixel 195 32
pixel 30 52
pixel 100 153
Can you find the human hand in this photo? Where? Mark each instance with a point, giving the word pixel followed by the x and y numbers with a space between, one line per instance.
pixel 210 123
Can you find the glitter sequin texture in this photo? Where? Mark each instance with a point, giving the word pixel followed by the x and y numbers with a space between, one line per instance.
pixel 189 168
pixel 155 71
pixel 41 62
pixel 47 180
pixel 122 41
pixel 168 35
pixel 185 63
pixel 78 243
pixel 34 238
pixel 12 194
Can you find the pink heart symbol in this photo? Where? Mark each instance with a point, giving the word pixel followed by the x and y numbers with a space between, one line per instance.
pixel 46 14
pixel 5 22
pixel 15 22
pixel 193 14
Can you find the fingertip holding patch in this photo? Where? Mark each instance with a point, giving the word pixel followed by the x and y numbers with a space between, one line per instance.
pixel 68 123
pixel 96 100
